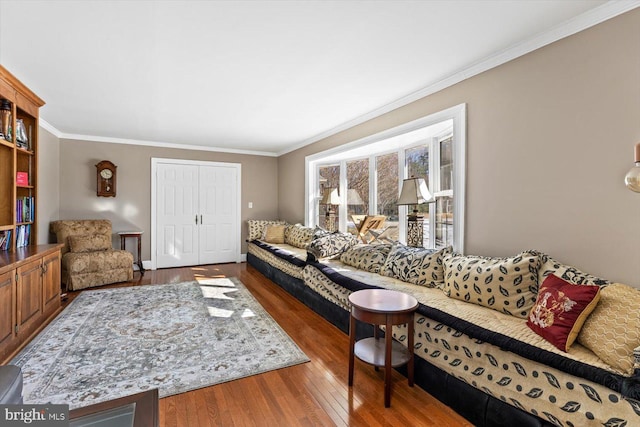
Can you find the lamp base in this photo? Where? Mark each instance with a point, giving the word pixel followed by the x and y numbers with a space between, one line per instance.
pixel 330 222
pixel 415 231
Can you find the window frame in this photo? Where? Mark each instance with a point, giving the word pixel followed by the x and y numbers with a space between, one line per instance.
pixel 457 114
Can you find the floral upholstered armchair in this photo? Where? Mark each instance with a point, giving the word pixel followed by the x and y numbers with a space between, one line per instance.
pixel 88 258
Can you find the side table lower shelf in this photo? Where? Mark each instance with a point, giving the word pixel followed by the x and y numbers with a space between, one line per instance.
pixel 371 351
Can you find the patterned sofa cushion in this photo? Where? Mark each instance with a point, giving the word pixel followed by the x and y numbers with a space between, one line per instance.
pixel 612 331
pixel 274 233
pixel 549 266
pixel 101 261
pixel 63 229
pixel 561 309
pixel 256 227
pixel 509 285
pixel 89 243
pixel 330 245
pixel 298 235
pixel 370 258
pixel 419 266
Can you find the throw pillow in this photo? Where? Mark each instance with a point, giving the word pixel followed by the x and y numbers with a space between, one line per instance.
pixel 561 309
pixel 549 266
pixel 330 246
pixel 419 266
pixel 89 243
pixel 370 258
pixel 274 234
pixel 298 235
pixel 612 331
pixel 256 227
pixel 509 285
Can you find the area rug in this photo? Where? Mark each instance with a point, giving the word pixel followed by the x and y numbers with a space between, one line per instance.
pixel 176 337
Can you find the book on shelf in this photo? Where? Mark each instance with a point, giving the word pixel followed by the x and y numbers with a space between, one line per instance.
pixel 22 179
pixel 25 209
pixel 22 235
pixel 5 240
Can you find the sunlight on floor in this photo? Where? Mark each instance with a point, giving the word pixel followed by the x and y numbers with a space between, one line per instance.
pixel 247 313
pixel 219 312
pixel 216 293
pixel 218 288
pixel 215 282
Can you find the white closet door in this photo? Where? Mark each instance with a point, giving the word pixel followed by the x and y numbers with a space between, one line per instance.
pixel 218 207
pixel 176 210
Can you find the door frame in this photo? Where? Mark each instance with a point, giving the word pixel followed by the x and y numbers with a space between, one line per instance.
pixel 155 161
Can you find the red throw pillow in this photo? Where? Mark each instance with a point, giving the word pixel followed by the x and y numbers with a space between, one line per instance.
pixel 561 309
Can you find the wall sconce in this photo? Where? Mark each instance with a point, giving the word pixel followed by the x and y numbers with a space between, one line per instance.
pixel 415 192
pixel 330 197
pixel 632 179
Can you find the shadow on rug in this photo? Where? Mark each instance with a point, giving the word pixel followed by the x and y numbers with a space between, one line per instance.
pixel 176 337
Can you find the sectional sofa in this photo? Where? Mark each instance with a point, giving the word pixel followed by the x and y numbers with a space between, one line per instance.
pixel 486 339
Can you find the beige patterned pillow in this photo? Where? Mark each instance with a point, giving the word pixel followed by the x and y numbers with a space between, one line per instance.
pixel 298 235
pixel 419 266
pixel 256 227
pixel 370 258
pixel 89 243
pixel 509 285
pixel 274 233
pixel 549 266
pixel 612 331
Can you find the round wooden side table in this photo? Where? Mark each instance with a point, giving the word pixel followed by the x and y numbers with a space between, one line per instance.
pixel 382 307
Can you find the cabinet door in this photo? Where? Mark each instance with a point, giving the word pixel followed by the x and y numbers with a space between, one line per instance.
pixel 51 282
pixel 7 311
pixel 29 296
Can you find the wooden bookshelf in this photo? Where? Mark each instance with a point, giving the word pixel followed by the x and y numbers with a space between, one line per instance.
pixel 18 153
pixel 29 274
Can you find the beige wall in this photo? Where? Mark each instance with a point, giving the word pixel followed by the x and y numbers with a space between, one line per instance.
pixel 48 183
pixel 550 137
pixel 131 208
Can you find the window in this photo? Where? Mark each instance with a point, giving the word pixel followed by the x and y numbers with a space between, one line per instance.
pixel 368 174
pixel 444 194
pixel 328 180
pixel 417 164
pixel 357 191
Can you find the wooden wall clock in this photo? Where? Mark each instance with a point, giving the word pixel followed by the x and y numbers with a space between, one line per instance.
pixel 106 172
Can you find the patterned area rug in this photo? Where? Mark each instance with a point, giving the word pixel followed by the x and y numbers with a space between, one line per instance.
pixel 176 337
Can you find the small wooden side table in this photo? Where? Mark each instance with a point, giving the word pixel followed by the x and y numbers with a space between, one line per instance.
pixel 382 307
pixel 138 235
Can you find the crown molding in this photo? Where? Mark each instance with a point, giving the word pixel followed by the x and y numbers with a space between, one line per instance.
pixel 50 128
pixel 574 25
pixel 92 138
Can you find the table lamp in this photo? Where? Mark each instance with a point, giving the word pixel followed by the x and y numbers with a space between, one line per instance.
pixel 415 192
pixel 330 197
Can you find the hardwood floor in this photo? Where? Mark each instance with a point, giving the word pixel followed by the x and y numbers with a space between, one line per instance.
pixel 313 393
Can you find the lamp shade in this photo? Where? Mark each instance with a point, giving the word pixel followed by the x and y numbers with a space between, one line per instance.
pixel 414 192
pixel 353 197
pixel 330 197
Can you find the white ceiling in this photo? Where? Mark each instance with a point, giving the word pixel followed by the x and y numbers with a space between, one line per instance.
pixel 259 76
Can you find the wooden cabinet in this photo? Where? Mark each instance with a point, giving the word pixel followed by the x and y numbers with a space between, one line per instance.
pixel 29 284
pixel 29 293
pixel 29 274
pixel 19 115
pixel 7 309
pixel 51 282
